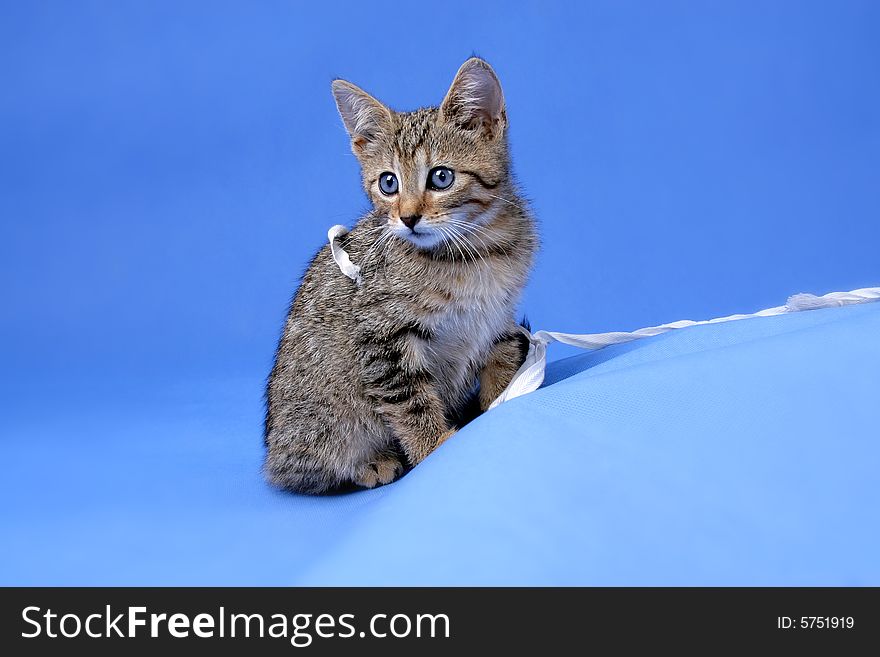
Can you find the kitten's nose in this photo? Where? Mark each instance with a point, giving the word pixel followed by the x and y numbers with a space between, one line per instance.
pixel 411 221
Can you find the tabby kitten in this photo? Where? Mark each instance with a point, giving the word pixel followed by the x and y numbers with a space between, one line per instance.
pixel 369 377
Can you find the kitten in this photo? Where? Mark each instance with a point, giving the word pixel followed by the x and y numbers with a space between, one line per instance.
pixel 368 379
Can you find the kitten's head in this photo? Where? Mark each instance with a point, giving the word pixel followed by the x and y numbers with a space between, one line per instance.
pixel 437 169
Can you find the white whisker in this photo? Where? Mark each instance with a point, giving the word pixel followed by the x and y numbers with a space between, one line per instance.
pixel 485 236
pixel 507 200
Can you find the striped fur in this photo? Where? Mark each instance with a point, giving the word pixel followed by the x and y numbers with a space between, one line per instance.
pixel 369 379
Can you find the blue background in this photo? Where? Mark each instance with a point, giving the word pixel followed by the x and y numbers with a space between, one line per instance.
pixel 168 169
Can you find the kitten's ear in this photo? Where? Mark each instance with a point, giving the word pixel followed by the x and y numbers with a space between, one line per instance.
pixel 475 98
pixel 365 118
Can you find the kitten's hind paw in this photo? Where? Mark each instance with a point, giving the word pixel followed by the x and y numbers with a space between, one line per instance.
pixel 384 469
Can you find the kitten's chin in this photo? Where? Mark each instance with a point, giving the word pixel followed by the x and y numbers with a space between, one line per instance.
pixel 422 240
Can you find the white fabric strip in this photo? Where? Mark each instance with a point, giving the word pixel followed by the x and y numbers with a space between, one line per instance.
pixel 340 255
pixel 530 375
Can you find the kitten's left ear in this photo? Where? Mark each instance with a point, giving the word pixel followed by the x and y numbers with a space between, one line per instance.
pixel 475 99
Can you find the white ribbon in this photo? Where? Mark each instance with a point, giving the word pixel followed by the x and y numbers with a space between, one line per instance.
pixel 340 255
pixel 530 375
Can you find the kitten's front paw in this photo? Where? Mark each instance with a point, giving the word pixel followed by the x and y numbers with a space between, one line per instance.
pixel 383 470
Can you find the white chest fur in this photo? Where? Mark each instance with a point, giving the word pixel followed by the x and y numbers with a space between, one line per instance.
pixel 463 333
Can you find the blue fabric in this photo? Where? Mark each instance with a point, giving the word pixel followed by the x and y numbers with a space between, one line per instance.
pixel 740 453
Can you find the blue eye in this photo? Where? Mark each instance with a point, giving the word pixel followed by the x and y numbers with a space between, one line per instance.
pixel 388 183
pixel 440 178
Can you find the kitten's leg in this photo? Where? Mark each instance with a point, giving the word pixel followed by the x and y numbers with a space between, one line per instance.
pixel 415 414
pixel 504 360
pixel 326 439
pixel 406 397
pixel 309 459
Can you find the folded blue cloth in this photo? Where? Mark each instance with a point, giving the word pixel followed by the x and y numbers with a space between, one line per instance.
pixel 744 453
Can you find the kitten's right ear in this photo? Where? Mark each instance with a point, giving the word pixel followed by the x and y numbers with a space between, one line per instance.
pixel 475 98
pixel 365 118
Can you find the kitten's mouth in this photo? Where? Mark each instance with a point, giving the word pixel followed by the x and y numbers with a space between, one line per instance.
pixel 423 239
